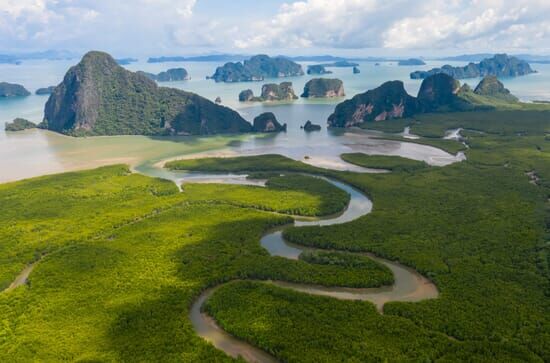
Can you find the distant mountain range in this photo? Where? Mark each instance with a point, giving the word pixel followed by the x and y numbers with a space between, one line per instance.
pixel 480 56
pixel 500 65
pixel 199 58
pixel 241 57
pixel 18 58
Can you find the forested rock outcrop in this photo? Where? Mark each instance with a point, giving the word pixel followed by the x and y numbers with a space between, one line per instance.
pixel 257 68
pixel 99 97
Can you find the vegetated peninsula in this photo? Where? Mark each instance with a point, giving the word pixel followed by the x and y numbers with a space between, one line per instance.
pixel 99 97
pixel 411 62
pixel 323 88
pixel 438 93
pixel 501 65
pixel 8 90
pixel 270 92
pixel 19 124
pixel 170 75
pixel 257 68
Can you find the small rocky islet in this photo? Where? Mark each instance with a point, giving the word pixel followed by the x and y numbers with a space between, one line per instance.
pixel 317 69
pixel 270 92
pixel 267 122
pixel 323 88
pixel 310 126
pixel 19 124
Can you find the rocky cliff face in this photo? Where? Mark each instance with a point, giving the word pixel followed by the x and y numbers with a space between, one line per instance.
pixel 99 97
pixel 438 93
pixel 388 101
pixel 323 88
pixel 246 96
pixel 278 92
pixel 267 122
pixel 501 65
pixel 12 90
pixel 257 68
pixel 270 92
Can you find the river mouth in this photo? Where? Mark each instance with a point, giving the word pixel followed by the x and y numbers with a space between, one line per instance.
pixel 409 285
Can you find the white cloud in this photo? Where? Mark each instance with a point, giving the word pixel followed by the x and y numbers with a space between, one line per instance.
pixel 90 23
pixel 403 24
pixel 176 26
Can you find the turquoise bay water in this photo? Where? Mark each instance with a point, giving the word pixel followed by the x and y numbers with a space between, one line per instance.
pixel 38 152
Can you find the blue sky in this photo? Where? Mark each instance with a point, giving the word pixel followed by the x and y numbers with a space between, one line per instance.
pixel 341 27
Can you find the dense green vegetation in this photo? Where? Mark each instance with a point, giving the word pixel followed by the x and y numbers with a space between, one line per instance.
pixel 374 271
pixel 290 194
pixel 301 328
pixel 122 257
pixel 393 163
pixel 478 229
pixel 268 162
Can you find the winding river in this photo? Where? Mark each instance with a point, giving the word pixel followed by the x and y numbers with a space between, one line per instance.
pixel 408 285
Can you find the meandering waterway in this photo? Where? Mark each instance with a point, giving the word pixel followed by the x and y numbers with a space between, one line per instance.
pixel 408 284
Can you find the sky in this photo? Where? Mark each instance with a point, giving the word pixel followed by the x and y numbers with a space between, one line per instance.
pixel 338 27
